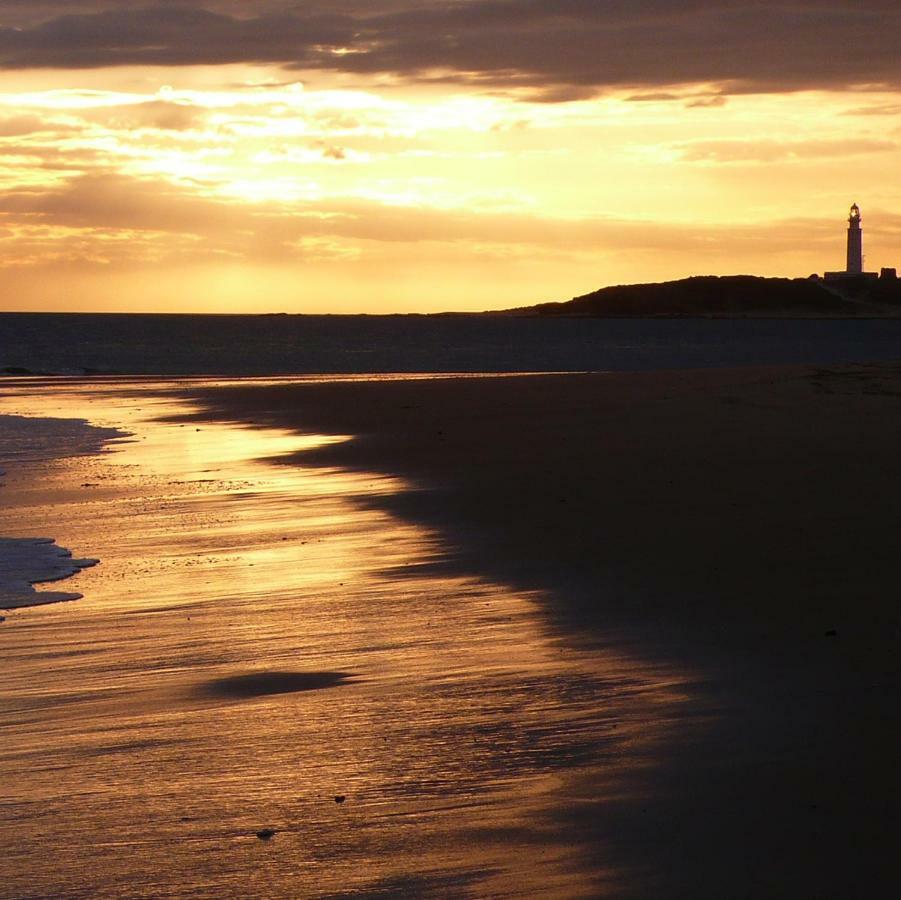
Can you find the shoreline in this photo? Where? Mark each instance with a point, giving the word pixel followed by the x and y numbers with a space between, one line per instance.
pixel 27 445
pixel 419 428
pixel 623 593
pixel 724 519
pixel 249 641
pixel 27 562
pixel 788 315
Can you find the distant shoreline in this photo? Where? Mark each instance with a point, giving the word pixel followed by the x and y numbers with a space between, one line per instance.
pixel 518 313
pixel 734 297
pixel 697 297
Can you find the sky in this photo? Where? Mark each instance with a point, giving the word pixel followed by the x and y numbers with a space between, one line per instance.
pixel 403 156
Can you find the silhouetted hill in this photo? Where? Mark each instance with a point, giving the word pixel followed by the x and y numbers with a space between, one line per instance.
pixel 734 296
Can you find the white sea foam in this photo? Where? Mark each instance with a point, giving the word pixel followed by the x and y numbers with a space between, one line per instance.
pixel 25 562
pixel 26 439
pixel 26 444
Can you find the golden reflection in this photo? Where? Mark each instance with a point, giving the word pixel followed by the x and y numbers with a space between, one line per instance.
pixel 248 651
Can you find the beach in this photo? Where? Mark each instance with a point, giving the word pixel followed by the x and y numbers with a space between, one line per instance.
pixel 450 450
pixel 738 524
pixel 623 635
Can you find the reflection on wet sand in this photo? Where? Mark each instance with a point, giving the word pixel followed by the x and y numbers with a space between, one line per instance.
pixel 256 642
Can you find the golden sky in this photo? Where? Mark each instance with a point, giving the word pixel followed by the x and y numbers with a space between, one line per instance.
pixel 413 156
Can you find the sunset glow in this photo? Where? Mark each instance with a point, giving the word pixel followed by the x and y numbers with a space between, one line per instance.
pixel 359 179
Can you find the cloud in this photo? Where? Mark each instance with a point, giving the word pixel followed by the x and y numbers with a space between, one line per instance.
pixel 111 201
pixel 556 51
pixel 18 126
pixel 772 151
pixel 111 216
pixel 329 151
pixel 881 109
pixel 167 35
pixel 654 97
pixel 691 100
pixel 709 101
pixel 33 159
pixel 157 114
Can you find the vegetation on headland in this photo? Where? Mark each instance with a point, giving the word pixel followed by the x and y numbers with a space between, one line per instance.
pixel 734 296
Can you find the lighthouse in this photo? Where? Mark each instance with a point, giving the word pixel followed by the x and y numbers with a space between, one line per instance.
pixel 855 242
pixel 854 276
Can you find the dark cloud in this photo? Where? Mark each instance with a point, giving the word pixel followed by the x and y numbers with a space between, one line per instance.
pixel 559 50
pixel 710 101
pixel 655 97
pixel 169 35
pixel 692 100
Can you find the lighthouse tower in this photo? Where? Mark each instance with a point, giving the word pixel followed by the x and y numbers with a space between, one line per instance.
pixel 855 242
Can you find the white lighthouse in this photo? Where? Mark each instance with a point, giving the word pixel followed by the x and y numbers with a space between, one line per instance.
pixel 855 242
pixel 853 275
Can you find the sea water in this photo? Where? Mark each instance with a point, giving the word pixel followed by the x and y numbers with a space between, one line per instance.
pixel 28 446
pixel 297 344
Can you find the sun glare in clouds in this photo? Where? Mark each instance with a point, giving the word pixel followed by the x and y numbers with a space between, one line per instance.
pixel 235 188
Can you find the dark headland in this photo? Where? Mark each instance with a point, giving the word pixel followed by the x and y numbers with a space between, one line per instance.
pixel 734 296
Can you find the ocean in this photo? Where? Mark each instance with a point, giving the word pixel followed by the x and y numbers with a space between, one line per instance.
pixel 107 344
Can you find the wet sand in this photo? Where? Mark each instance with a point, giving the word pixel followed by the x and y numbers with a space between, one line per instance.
pixel 272 687
pixel 740 525
pixel 626 636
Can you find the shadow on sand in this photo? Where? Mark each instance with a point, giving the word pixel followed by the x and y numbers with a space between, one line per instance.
pixel 739 524
pixel 262 684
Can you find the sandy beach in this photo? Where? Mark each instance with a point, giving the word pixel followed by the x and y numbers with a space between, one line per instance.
pixel 741 525
pixel 262 651
pixel 565 635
